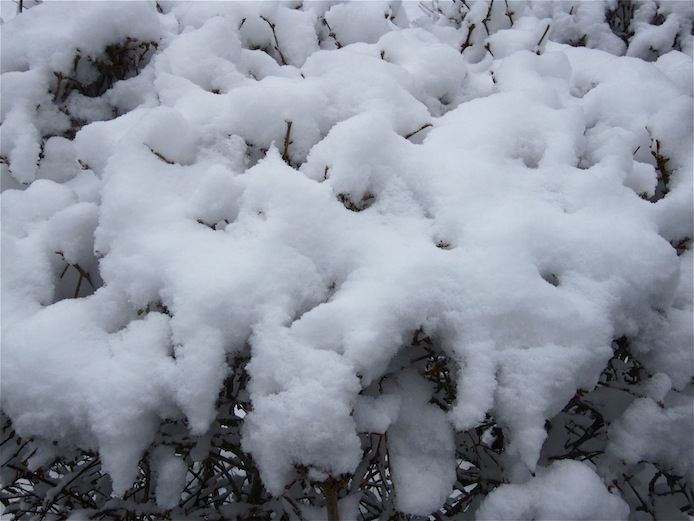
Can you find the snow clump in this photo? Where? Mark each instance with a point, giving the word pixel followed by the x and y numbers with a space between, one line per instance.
pixel 325 188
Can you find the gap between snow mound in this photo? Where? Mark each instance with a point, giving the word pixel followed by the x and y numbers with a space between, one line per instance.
pixel 319 196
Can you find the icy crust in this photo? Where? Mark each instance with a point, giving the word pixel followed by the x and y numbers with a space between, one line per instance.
pixel 264 188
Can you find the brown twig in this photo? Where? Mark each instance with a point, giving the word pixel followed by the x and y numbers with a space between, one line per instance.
pixel 467 43
pixel 287 142
pixel 539 42
pixel 509 13
pixel 330 491
pixel 426 125
pixel 277 43
pixel 664 174
pixel 160 156
pixel 332 35
pixel 82 272
pixel 488 16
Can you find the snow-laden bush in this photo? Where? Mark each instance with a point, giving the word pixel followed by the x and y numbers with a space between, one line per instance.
pixel 369 260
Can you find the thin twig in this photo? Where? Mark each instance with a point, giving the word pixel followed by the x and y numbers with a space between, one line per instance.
pixel 160 156
pixel 287 142
pixel 426 125
pixel 509 13
pixel 539 42
pixel 332 35
pixel 487 17
pixel 467 43
pixel 274 35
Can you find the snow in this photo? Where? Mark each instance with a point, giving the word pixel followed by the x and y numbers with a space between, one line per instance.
pixel 358 22
pixel 125 366
pixel 565 490
pixel 171 477
pixel 260 184
pixel 422 450
pixel 649 431
pixel 73 26
pixel 376 414
pixel 348 508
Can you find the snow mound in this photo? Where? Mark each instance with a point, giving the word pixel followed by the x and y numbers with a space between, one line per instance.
pixel 188 181
pixel 565 490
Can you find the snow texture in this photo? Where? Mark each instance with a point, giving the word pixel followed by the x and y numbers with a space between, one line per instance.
pixel 565 490
pixel 314 185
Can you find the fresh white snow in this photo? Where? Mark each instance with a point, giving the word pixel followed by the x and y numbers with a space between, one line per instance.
pixel 319 205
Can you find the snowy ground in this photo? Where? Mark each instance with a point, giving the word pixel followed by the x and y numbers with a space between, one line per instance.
pixel 313 184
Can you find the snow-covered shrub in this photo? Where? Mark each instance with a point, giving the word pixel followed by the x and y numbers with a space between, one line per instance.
pixel 366 260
